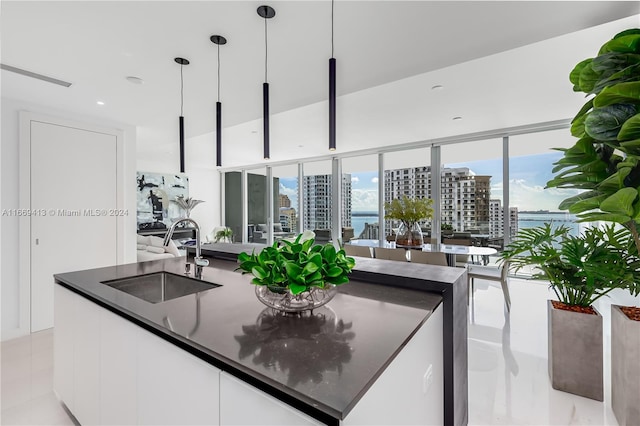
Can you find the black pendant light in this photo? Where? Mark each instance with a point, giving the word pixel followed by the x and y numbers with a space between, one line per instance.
pixel 332 93
pixel 219 40
pixel 266 12
pixel 182 63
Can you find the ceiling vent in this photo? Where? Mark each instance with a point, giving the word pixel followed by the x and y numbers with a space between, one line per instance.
pixel 34 75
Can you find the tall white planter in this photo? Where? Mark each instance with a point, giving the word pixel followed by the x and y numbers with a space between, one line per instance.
pixel 625 368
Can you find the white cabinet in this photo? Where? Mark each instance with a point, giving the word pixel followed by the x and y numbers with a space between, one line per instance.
pixel 86 362
pixel 236 396
pixel 118 370
pixel 109 371
pixel 410 390
pixel 63 332
pixel 174 387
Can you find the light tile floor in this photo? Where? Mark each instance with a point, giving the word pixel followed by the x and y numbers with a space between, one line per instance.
pixel 508 382
pixel 27 396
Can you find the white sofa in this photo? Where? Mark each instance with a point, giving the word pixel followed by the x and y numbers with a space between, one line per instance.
pixel 151 248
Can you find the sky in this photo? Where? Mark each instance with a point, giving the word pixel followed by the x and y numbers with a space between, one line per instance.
pixel 528 176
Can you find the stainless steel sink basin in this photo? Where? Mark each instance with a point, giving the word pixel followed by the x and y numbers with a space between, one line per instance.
pixel 160 286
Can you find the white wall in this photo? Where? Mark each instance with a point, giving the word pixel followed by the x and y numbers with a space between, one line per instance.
pixel 204 178
pixel 9 198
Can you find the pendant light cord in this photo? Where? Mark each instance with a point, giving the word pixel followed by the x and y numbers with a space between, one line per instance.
pixel 181 91
pixel 332 28
pixel 218 73
pixel 266 51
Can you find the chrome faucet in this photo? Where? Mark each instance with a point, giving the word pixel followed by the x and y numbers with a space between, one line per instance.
pixel 198 260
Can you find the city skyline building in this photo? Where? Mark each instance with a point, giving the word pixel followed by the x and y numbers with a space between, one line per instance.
pixel 317 191
pixel 464 195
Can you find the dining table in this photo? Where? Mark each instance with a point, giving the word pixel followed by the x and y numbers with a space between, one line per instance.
pixel 450 250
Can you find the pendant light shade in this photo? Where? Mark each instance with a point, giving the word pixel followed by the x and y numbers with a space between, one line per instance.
pixel 332 93
pixel 182 63
pixel 266 12
pixel 218 40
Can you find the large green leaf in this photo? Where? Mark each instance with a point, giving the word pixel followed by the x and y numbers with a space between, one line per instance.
pixel 577 126
pixel 630 73
pixel 588 78
pixel 630 129
pixel 604 123
pixel 585 108
pixel 309 269
pixel 574 76
pixel 620 203
pixel 625 43
pixel 297 288
pixel 259 272
pixel 614 61
pixel 618 94
pixel 582 202
pixel 604 217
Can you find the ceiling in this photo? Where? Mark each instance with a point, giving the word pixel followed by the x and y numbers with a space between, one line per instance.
pixel 383 49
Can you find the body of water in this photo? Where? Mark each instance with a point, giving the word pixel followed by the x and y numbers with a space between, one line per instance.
pixel 525 220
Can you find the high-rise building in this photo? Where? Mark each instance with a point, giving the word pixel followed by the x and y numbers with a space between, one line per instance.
pixel 496 219
pixel 288 219
pixel 284 200
pixel 317 191
pixel 465 195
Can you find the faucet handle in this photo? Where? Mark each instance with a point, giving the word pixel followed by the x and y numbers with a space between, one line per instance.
pixel 201 261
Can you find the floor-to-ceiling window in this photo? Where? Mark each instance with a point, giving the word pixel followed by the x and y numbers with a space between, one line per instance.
pixel 363 198
pixel 407 173
pixel 471 192
pixel 318 194
pixel 531 159
pixel 287 221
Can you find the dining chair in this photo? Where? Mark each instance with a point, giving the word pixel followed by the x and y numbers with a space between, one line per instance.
pixel 360 251
pixel 461 259
pixel 431 258
pixel 492 274
pixel 390 254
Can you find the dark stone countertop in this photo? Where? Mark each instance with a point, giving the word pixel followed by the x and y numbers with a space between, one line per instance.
pixel 321 364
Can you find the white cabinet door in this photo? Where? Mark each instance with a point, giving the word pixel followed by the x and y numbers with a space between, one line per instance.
pixel 241 404
pixel 64 320
pixel 410 390
pixel 118 370
pixel 86 362
pixel 174 387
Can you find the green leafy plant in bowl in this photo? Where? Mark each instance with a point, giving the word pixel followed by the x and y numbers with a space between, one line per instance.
pixel 296 276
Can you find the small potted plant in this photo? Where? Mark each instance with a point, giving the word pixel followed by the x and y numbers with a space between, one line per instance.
pixel 580 270
pixel 409 211
pixel 225 235
pixel 297 276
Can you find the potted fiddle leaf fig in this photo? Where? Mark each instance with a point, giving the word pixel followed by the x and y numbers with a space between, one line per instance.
pixel 294 276
pixel 604 163
pixel 409 211
pixel 580 270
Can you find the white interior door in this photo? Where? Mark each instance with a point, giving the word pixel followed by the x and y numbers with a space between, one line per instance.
pixel 73 195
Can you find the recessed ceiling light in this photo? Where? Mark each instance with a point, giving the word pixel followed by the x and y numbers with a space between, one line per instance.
pixel 100 103
pixel 437 87
pixel 135 80
pixel 456 118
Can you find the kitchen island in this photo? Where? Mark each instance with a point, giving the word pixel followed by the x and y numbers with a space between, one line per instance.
pixel 333 366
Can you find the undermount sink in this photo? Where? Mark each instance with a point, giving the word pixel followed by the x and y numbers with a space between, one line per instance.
pixel 160 286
